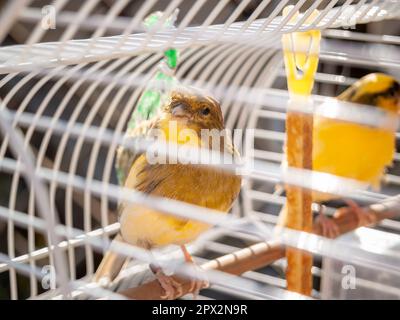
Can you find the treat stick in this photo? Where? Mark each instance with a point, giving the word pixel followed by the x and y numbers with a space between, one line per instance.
pixel 301 60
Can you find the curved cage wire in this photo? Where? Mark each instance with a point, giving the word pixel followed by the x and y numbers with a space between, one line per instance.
pixel 71 73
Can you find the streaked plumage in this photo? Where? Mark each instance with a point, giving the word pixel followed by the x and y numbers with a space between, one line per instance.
pixel 202 186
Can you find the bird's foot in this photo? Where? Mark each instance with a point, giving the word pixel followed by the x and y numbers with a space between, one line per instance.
pixel 171 287
pixel 329 228
pixel 364 218
pixel 198 284
pixel 195 284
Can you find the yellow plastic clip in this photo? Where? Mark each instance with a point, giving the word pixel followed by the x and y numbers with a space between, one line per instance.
pixel 301 53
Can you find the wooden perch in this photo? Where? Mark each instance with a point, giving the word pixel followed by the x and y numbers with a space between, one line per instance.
pixel 254 257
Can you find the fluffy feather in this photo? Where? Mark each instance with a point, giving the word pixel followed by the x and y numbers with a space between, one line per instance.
pixel 206 187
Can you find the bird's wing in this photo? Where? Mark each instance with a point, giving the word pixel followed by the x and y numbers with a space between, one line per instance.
pixel 113 262
pixel 127 156
pixel 127 159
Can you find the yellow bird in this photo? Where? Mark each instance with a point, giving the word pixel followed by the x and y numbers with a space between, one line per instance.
pixel 352 150
pixel 189 111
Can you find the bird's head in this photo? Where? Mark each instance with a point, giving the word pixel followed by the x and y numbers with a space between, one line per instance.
pixel 375 89
pixel 195 109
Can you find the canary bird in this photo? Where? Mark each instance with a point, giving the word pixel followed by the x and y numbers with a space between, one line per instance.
pixel 353 150
pixel 199 185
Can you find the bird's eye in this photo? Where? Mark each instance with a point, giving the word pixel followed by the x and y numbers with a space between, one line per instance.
pixel 394 89
pixel 205 111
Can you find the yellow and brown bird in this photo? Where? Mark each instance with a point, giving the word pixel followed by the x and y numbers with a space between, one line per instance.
pixel 198 185
pixel 353 150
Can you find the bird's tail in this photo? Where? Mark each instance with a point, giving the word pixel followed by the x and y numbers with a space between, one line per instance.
pixel 110 266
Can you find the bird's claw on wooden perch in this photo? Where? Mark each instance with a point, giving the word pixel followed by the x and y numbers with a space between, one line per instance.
pixel 198 284
pixel 329 228
pixel 195 284
pixel 172 288
pixel 363 216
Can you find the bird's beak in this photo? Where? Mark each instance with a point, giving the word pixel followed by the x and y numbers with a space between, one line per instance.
pixel 180 111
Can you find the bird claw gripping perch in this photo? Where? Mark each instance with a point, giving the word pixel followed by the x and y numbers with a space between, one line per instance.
pixel 301 51
pixel 155 93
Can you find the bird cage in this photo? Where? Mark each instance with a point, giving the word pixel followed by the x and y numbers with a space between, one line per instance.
pixel 71 74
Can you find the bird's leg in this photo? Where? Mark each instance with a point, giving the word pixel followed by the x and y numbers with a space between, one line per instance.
pixel 328 226
pixel 363 216
pixel 195 284
pixel 172 288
